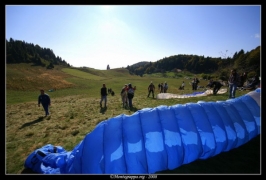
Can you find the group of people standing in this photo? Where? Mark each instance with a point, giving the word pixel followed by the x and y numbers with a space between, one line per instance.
pixel 127 95
pixel 163 87
pixel 127 92
pixel 235 81
pixel 195 83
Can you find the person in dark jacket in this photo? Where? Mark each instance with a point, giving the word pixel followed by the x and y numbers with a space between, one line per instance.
pixel 233 81
pixel 165 87
pixel 161 88
pixel 243 79
pixel 216 85
pixel 123 94
pixel 195 83
pixel 130 94
pixel 151 89
pixel 103 95
pixel 45 100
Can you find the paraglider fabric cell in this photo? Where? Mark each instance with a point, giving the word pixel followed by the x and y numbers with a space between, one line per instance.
pixel 156 139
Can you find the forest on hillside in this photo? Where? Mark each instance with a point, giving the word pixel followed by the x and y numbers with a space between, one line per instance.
pixel 242 61
pixel 18 51
pixel 22 52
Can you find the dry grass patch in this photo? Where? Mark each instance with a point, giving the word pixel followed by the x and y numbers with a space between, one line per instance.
pixel 25 77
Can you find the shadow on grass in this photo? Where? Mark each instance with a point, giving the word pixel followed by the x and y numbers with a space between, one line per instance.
pixel 103 109
pixel 134 109
pixel 32 122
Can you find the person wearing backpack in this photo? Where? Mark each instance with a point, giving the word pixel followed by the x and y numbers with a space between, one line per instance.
pixel 124 95
pixel 130 94
pixel 151 89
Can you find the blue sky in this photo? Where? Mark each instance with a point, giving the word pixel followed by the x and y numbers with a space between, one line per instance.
pixel 122 35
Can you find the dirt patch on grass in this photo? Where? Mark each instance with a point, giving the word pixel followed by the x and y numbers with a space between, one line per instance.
pixel 32 78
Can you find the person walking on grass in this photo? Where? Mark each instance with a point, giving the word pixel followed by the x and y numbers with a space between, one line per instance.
pixel 45 100
pixel 151 89
pixel 103 95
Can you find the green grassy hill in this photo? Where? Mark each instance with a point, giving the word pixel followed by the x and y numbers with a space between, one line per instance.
pixel 75 110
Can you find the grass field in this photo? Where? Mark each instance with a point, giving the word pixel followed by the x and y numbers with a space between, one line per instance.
pixel 75 111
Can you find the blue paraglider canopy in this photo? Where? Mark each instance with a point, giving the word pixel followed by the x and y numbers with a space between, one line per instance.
pixel 156 139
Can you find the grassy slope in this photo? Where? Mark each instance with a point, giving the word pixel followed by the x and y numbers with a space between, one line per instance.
pixel 75 107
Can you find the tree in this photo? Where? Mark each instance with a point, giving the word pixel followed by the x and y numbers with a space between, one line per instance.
pixel 50 66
